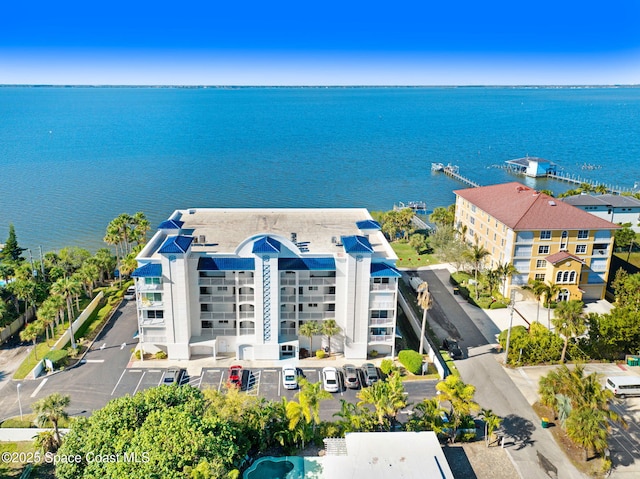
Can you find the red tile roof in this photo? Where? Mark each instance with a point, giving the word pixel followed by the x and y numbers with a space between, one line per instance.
pixel 524 209
pixel 560 256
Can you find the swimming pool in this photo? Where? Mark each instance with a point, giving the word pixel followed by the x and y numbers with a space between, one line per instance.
pixel 288 467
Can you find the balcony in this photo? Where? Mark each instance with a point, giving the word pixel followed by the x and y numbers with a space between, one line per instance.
pixel 159 322
pixel 380 321
pixel 288 332
pixel 317 281
pixel 390 305
pixel 288 298
pixel 145 303
pixel 214 332
pixel 317 298
pixel 382 287
pixel 149 287
pixel 217 282
pixel 380 338
pixel 154 338
pixel 219 315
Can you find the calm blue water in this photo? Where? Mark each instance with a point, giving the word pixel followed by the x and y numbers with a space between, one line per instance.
pixel 71 159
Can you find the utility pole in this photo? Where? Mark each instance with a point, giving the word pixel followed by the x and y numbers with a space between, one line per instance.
pixel 512 301
pixel 41 262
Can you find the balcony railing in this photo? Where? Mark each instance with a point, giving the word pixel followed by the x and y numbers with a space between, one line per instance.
pixel 149 338
pixel 213 332
pixel 317 298
pixel 149 287
pixel 390 305
pixel 601 252
pixel 230 316
pixel 317 281
pixel 382 287
pixel 289 298
pixel 381 321
pixel 288 332
pixel 145 303
pixel 380 338
pixel 159 322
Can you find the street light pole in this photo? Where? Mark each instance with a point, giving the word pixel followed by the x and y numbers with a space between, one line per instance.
pixel 19 402
pixel 512 301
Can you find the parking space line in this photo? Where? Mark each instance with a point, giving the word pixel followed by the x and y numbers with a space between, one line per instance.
pixel 201 377
pixel 136 389
pixel 115 387
pixel 162 378
pixel 39 387
pixel 221 378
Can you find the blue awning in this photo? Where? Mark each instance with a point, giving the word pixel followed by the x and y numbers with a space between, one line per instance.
pixel 384 270
pixel 306 264
pixel 266 244
pixel 176 244
pixel 171 225
pixel 149 270
pixel 356 244
pixel 368 225
pixel 208 263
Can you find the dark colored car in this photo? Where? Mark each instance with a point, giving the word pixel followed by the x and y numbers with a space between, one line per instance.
pixel 454 350
pixel 351 376
pixel 235 376
pixel 370 373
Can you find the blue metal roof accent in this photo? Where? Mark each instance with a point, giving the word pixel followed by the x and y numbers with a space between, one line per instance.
pixel 306 264
pixel 356 244
pixel 176 244
pixel 266 244
pixel 368 225
pixel 208 263
pixel 384 270
pixel 171 225
pixel 149 270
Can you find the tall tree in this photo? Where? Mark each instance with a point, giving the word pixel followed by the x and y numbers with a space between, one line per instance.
pixel 505 271
pixel 52 409
pixel 387 397
pixel 476 256
pixel 11 251
pixel 426 302
pixel 67 288
pixel 330 328
pixel 551 291
pixel 460 398
pixel 569 322
pixel 442 216
pixel 537 288
pixel 31 333
pixel 310 329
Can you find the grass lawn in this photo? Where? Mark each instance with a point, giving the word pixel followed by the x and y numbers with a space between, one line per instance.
pixel 408 258
pixel 13 469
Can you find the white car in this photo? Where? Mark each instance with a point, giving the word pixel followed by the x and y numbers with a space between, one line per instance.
pixel 289 377
pixel 130 293
pixel 330 380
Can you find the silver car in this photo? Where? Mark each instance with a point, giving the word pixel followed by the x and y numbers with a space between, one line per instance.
pixel 370 373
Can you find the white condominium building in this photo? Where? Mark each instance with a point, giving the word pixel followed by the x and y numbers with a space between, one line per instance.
pixel 243 282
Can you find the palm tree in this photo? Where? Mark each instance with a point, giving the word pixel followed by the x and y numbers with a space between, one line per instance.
pixel 141 227
pixel 493 278
pixel 427 416
pixel 442 216
pixel 354 418
pixel 460 397
pixel 505 271
pixel 601 189
pixel 67 288
pixel 491 423
pixel 476 255
pixel 426 302
pixel 310 329
pixel 52 409
pixel 309 396
pixel 588 428
pixel 106 262
pixel 537 288
pixel 330 328
pixel 45 441
pixel 569 322
pixel 47 315
pixel 551 290
pixel 31 333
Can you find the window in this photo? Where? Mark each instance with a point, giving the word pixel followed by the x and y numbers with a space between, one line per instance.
pixel 472 221
pixel 205 307
pixel 541 263
pixel 207 324
pixel 540 276
pixel 581 249
pixel 151 297
pixel 375 280
pixel 566 277
pixel 583 234
pixel 313 288
pixel 377 313
pixel 155 314
pixel 222 288
pixel 543 249
pixel 563 240
pixel 545 235
pixel 473 208
pixel 153 281
pixel 572 277
pixel 312 305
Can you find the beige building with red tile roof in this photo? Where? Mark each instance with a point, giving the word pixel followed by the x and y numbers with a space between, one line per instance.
pixel 544 238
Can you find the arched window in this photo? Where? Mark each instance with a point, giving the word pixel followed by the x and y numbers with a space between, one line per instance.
pixel 572 277
pixel 559 277
pixel 565 277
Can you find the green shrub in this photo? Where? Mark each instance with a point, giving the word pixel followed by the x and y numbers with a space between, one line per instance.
pixel 58 357
pixel 136 354
pixel 498 305
pixel 161 355
pixel 412 360
pixel 386 366
pixel 373 353
pixel 18 423
pixel 320 354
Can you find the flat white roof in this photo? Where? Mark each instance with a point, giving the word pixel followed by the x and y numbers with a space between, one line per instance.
pixel 317 229
pixel 406 455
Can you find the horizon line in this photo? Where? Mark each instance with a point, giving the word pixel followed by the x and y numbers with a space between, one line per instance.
pixel 168 85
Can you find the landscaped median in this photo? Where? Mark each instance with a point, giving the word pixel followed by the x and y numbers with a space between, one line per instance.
pixel 86 327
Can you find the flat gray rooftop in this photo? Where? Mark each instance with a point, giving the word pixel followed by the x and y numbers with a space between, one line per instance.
pixel 317 229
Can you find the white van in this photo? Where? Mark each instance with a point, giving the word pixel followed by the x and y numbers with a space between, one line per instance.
pixel 623 386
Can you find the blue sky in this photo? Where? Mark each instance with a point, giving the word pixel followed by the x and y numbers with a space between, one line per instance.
pixel 196 42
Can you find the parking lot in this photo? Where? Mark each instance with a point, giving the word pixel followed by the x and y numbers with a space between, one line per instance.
pixel 263 382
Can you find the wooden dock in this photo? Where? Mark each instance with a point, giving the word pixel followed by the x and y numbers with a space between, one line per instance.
pixel 452 171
